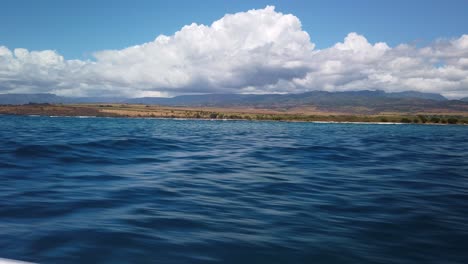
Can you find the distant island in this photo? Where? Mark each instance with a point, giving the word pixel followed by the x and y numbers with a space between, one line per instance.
pixel 356 106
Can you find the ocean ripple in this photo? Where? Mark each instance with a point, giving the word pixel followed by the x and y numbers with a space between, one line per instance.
pixel 112 190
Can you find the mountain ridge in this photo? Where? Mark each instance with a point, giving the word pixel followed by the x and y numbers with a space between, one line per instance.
pixel 364 101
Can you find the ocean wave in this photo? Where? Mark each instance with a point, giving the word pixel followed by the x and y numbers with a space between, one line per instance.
pixel 121 190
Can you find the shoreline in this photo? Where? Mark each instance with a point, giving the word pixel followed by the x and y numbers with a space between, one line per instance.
pixel 225 120
pixel 227 114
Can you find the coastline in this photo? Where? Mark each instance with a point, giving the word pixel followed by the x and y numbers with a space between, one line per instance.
pixel 227 114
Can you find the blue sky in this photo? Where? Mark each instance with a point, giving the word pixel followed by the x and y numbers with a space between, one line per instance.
pixel 151 48
pixel 76 29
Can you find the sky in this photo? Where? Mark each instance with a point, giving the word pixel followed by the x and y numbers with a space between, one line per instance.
pixel 165 48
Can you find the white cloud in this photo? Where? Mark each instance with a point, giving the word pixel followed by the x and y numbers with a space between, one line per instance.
pixel 258 51
pixel 356 64
pixel 257 47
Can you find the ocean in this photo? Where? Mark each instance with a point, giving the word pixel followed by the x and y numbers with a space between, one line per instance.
pixel 120 190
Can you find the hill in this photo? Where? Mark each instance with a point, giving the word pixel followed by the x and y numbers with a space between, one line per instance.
pixel 355 102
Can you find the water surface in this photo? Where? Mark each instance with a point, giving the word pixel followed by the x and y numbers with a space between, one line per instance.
pixel 116 190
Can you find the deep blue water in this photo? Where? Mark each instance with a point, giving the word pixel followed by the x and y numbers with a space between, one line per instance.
pixel 111 190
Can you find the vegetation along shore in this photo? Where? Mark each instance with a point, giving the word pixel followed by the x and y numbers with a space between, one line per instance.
pixel 299 115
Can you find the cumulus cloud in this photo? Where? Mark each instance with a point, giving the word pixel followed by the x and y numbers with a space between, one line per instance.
pixel 258 47
pixel 258 51
pixel 356 64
